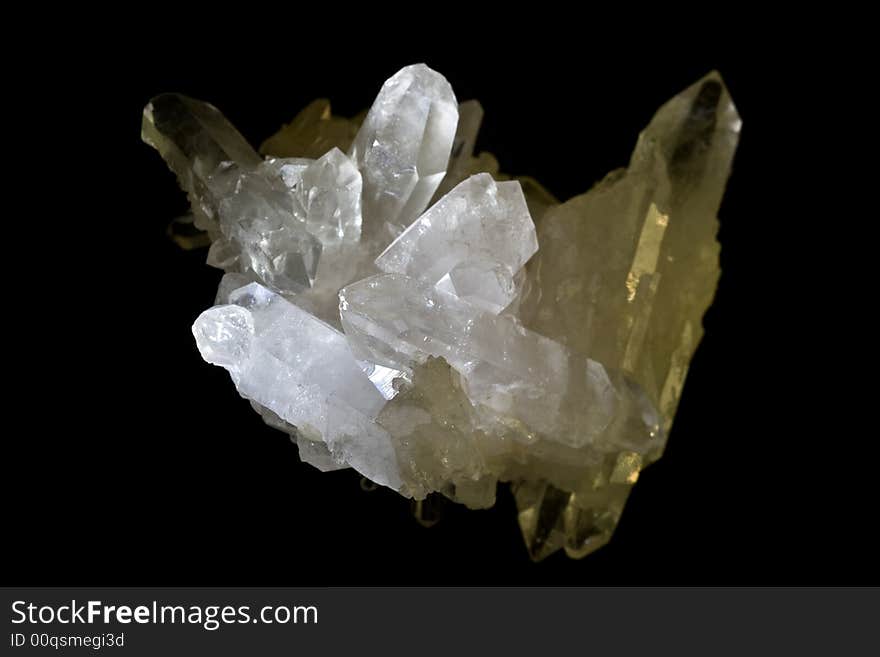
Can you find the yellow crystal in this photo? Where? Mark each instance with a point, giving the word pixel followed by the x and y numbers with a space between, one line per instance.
pixel 624 273
pixel 312 133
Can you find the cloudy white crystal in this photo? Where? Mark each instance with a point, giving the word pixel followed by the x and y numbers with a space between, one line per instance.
pixel 402 149
pixel 301 369
pixel 245 207
pixel 464 360
pixel 394 321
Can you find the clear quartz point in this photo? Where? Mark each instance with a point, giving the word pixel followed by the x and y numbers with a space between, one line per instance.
pixel 247 211
pixel 402 149
pixel 474 240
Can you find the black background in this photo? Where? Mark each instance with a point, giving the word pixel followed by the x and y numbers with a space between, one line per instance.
pixel 131 461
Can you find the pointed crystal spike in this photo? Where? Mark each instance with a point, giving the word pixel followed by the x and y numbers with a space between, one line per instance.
pixel 429 511
pixel 195 139
pixel 520 375
pixel 329 192
pixel 402 149
pixel 639 307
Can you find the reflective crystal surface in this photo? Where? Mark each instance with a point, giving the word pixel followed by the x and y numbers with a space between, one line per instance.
pixel 639 306
pixel 403 146
pixel 474 239
pixel 463 162
pixel 313 132
pixel 408 311
pixel 293 364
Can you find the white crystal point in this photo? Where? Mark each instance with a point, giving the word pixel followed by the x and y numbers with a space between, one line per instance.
pixel 476 238
pixel 402 149
pixel 257 215
pixel 462 161
pixel 223 335
pixel 330 194
pixel 393 321
pixel 317 455
pixel 302 370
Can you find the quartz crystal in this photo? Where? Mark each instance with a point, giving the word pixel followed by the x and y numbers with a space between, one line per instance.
pixel 234 198
pixel 398 306
pixel 313 132
pixel 472 241
pixel 403 146
pixel 326 193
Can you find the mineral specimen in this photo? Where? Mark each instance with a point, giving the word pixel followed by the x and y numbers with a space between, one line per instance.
pixel 399 307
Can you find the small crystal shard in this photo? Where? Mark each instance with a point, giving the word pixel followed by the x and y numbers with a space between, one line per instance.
pixel 426 333
pixel 402 149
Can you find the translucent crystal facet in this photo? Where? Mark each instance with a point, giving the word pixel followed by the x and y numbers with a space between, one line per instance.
pixel 393 321
pixel 477 237
pixel 639 306
pixel 403 146
pixel 313 132
pixel 326 194
pixel 301 369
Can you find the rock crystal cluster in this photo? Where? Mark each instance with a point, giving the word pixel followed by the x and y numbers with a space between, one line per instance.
pixel 399 307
